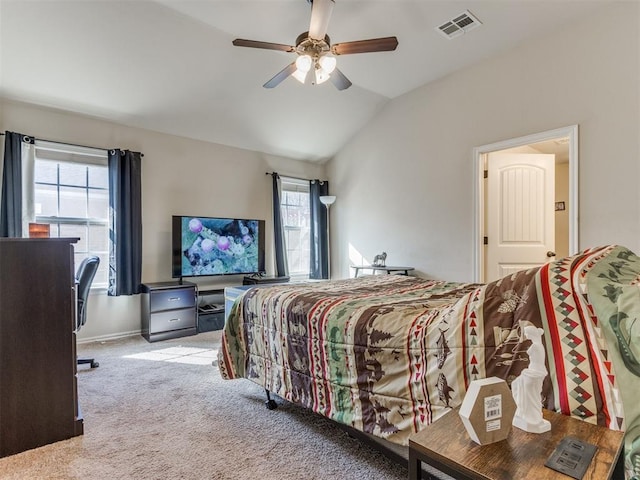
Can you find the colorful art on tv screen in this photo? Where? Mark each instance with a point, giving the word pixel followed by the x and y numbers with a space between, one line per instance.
pixel 204 246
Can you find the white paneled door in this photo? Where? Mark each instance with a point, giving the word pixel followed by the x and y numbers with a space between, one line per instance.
pixel 520 212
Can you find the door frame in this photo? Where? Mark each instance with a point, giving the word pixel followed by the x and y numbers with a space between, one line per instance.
pixel 479 155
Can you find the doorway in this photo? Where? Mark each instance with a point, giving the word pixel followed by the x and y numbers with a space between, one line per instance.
pixel 561 205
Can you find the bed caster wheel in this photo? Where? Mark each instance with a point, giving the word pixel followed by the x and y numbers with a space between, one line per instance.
pixel 270 403
pixel 95 364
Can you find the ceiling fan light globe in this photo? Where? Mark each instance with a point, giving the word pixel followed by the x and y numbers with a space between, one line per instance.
pixel 300 75
pixel 303 63
pixel 328 63
pixel 321 76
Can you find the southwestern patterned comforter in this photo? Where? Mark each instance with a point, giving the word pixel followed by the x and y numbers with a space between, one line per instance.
pixel 388 354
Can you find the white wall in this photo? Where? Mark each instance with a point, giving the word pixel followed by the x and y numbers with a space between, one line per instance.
pixel 179 176
pixel 405 182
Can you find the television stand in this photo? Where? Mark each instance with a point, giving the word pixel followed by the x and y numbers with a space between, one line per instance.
pixel 210 309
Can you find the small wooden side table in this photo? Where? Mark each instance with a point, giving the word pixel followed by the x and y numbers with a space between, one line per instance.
pixel 375 269
pixel 446 446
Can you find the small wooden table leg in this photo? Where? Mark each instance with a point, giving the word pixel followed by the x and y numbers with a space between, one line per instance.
pixel 415 466
pixel 618 471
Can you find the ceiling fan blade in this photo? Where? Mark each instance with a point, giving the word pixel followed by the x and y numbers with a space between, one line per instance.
pixel 239 42
pixel 281 75
pixel 339 80
pixel 384 44
pixel 320 15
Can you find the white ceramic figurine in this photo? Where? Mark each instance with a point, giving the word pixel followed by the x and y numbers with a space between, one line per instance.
pixel 527 388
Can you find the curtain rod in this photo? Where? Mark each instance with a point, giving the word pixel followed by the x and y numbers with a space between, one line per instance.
pixel 295 178
pixel 72 144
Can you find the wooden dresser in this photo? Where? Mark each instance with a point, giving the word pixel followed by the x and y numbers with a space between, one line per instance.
pixel 38 388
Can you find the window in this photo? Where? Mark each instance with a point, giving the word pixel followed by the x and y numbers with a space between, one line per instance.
pixel 296 219
pixel 71 194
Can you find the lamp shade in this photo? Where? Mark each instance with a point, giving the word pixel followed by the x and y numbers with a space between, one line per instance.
pixel 321 76
pixel 303 63
pixel 328 199
pixel 328 63
pixel 300 75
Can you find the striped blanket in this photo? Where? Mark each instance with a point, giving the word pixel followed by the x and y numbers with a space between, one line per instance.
pixel 387 354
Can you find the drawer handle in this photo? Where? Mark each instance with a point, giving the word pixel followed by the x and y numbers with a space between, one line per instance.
pixel 174 320
pixel 173 299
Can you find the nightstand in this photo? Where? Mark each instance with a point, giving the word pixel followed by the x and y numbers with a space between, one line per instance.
pixel 168 310
pixel 446 446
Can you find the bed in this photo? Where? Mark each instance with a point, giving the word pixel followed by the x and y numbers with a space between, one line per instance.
pixel 387 354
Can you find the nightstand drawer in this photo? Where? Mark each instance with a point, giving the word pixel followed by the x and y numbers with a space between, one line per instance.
pixel 172 299
pixel 172 320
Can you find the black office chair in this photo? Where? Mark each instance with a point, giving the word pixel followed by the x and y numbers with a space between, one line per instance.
pixel 84 278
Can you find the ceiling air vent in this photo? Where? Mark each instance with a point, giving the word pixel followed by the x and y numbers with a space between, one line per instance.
pixel 459 25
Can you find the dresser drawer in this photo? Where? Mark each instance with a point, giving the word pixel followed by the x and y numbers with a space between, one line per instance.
pixel 172 320
pixel 172 299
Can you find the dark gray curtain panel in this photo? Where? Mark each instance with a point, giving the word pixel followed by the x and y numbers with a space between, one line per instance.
pixel 282 267
pixel 319 258
pixel 125 229
pixel 11 202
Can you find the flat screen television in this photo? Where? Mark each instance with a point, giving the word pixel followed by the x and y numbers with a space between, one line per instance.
pixel 209 246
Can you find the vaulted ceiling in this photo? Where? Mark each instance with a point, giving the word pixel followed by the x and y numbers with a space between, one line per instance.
pixel 170 66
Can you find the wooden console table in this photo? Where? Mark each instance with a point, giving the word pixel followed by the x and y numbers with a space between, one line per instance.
pixel 375 269
pixel 446 446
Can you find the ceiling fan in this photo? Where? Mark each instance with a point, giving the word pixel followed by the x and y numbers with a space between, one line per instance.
pixel 315 51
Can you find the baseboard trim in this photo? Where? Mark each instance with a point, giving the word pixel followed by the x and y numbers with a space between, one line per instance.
pixel 109 337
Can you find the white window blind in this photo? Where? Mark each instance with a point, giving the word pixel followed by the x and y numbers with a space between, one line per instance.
pixel 71 194
pixel 296 216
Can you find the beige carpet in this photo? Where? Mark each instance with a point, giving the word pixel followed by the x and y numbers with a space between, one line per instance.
pixel 161 411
